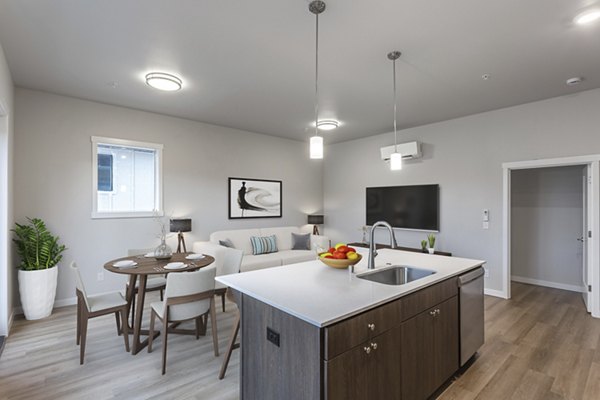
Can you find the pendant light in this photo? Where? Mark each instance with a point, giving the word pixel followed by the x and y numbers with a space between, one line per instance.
pixel 395 158
pixel 316 142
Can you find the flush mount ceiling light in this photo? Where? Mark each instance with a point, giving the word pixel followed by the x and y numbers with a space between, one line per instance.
pixel 316 142
pixel 328 124
pixel 163 81
pixel 574 81
pixel 395 157
pixel 587 17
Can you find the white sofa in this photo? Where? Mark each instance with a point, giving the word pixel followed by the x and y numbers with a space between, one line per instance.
pixel 285 255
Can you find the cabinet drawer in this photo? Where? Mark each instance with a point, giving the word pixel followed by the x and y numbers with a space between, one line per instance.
pixel 426 298
pixel 353 331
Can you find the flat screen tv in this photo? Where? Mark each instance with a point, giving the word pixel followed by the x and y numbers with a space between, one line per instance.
pixel 408 207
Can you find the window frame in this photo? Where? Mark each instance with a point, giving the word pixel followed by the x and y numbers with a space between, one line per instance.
pixel 158 193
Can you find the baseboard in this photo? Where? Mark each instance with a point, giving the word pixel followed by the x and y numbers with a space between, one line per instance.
pixel 495 293
pixel 555 285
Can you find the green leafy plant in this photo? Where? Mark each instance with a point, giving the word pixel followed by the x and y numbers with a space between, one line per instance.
pixel 424 244
pixel 37 247
pixel 431 240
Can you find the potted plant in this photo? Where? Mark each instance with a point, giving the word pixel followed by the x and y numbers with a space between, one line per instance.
pixel 424 246
pixel 431 240
pixel 39 252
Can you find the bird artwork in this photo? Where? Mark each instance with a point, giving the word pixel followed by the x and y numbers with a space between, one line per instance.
pixel 254 199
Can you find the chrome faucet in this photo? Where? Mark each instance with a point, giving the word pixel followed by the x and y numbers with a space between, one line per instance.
pixel 372 248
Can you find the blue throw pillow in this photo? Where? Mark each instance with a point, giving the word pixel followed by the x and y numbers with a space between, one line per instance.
pixel 263 245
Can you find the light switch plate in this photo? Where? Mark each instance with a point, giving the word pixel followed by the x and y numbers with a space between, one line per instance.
pixel 486 214
pixel 485 225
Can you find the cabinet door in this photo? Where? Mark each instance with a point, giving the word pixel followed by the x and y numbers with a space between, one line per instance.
pixel 446 340
pixel 370 371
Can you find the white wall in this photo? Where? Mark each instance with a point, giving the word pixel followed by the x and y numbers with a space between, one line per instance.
pixel 547 218
pixel 53 171
pixel 7 273
pixel 465 157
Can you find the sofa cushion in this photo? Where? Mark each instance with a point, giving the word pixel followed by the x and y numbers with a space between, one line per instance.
pixel 251 262
pixel 296 256
pixel 263 244
pixel 283 235
pixel 227 243
pixel 239 237
pixel 301 241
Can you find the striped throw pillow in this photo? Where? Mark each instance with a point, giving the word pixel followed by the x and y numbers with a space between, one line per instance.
pixel 263 245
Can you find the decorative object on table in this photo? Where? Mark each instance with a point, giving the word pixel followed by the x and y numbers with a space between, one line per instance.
pixel 431 240
pixel 316 220
pixel 180 225
pixel 340 256
pixel 365 234
pixel 316 142
pixel 254 198
pixel 40 252
pixel 395 157
pixel 424 246
pixel 163 251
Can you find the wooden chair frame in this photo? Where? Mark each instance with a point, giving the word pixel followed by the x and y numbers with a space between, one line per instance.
pixel 201 322
pixel 84 315
pixel 233 344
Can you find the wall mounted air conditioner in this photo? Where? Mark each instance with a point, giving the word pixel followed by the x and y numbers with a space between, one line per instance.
pixel 409 151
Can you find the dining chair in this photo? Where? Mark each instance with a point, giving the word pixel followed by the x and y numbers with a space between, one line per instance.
pixel 97 305
pixel 153 284
pixel 188 296
pixel 227 261
pixel 233 344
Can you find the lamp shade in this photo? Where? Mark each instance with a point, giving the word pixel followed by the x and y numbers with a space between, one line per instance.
pixel 315 219
pixel 181 225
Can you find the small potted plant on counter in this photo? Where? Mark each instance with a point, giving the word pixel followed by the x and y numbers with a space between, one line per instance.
pixel 424 246
pixel 40 252
pixel 431 240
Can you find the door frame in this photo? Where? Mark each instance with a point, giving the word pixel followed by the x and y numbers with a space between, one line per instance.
pixel 593 216
pixel 4 228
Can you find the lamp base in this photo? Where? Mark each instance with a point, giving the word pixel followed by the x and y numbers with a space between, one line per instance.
pixel 315 230
pixel 180 243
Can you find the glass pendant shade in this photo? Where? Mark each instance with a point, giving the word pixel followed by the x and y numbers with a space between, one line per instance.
pixel 316 147
pixel 396 161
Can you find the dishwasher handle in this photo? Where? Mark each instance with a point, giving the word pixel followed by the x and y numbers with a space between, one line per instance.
pixel 469 276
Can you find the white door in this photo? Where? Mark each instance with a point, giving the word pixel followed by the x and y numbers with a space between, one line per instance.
pixel 585 242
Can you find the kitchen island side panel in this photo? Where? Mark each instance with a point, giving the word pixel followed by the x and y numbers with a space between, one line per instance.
pixel 281 354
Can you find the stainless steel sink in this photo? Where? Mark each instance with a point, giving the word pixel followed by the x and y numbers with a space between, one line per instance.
pixel 396 275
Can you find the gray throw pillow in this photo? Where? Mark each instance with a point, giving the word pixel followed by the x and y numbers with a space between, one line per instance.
pixel 227 243
pixel 300 241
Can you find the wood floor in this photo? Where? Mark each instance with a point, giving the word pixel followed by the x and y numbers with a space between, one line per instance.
pixel 539 345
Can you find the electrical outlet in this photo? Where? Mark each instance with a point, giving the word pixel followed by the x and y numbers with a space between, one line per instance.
pixel 486 273
pixel 100 276
pixel 485 225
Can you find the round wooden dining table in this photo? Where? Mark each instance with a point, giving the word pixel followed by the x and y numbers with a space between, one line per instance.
pixel 149 266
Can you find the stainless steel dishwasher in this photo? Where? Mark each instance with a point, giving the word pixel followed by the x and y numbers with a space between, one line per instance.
pixel 471 313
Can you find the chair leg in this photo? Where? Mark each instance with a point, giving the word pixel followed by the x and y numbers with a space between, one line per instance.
pixel 151 331
pixel 231 346
pixel 198 322
pixel 223 301
pixel 213 324
pixel 118 319
pixel 125 330
pixel 162 295
pixel 78 321
pixel 132 310
pixel 165 329
pixel 84 325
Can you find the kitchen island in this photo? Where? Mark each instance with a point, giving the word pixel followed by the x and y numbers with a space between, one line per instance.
pixel 314 332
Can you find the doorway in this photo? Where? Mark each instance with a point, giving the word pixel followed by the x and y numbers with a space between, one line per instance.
pixel 551 212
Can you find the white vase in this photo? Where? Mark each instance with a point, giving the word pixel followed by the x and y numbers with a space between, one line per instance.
pixel 38 290
pixel 431 250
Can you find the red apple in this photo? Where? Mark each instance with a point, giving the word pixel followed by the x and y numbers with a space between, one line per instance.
pixel 339 255
pixel 331 250
pixel 351 250
pixel 343 249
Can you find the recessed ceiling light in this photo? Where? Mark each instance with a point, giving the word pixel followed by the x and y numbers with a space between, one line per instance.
pixel 574 81
pixel 163 81
pixel 587 17
pixel 486 77
pixel 328 124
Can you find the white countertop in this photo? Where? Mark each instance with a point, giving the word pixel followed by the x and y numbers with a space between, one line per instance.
pixel 321 295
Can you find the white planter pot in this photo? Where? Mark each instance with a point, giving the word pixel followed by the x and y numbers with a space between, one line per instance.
pixel 431 250
pixel 38 290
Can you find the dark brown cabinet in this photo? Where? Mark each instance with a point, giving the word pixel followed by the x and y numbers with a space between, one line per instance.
pixel 429 349
pixel 368 371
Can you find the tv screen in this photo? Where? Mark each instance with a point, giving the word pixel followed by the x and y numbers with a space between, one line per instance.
pixel 408 207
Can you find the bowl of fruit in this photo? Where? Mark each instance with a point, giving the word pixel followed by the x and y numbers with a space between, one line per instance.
pixel 340 256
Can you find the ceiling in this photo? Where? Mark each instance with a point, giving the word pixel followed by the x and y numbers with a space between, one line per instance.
pixel 250 64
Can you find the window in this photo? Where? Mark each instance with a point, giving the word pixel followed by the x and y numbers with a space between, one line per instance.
pixel 127 178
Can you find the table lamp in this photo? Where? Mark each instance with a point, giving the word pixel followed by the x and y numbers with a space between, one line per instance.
pixel 315 220
pixel 180 225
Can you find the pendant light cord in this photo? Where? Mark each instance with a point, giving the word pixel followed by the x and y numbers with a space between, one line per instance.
pixel 317 76
pixel 395 131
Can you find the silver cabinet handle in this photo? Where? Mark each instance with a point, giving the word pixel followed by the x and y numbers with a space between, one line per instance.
pixel 374 346
pixel 437 311
pixel 368 349
pixel 371 326
pixel 432 313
